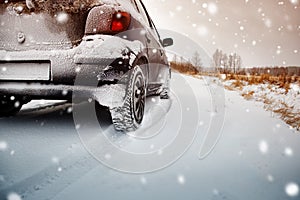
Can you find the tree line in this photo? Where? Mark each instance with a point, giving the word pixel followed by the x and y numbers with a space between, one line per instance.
pixel 224 63
pixel 227 64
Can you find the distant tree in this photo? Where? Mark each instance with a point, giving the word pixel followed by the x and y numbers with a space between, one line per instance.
pixel 217 56
pixel 196 60
pixel 234 62
pixel 227 64
pixel 230 62
pixel 224 63
pixel 238 63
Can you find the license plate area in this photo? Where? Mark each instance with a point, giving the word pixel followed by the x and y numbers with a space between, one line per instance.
pixel 25 70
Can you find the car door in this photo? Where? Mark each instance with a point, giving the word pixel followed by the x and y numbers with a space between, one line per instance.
pixel 152 43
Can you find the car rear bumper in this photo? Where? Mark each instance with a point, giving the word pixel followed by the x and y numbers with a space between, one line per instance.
pixel 107 57
pixel 107 95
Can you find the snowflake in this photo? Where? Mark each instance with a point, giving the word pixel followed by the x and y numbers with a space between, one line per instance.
pixel 181 179
pixel 143 180
pixel 263 147
pixel 288 152
pixel 292 189
pixel 3 145
pixel 13 196
pixel 62 17
pixel 295 2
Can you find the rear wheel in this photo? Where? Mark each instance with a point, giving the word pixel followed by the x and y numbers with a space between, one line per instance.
pixel 129 116
pixel 9 105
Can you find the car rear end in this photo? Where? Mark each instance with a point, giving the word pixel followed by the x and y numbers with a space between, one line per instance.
pixel 45 44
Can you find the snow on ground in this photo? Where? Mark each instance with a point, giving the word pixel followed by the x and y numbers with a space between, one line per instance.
pixel 280 101
pixel 256 157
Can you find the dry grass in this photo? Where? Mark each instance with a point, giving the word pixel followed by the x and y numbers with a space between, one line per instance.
pixel 248 95
pixel 184 68
pixel 285 112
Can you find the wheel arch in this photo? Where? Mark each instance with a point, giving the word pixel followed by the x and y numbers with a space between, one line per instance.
pixel 143 60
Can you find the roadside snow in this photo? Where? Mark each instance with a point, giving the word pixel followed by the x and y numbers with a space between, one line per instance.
pixel 284 103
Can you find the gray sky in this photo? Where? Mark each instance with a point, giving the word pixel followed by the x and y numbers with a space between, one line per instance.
pixel 264 33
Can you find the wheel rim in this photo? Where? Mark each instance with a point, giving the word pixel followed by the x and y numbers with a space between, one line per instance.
pixel 139 98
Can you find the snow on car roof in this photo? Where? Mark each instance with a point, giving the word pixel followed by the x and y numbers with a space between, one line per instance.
pixel 52 6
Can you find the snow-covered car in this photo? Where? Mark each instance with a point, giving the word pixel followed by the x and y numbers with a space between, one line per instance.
pixel 46 46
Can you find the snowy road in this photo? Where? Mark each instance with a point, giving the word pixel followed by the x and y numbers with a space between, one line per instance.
pixel 257 156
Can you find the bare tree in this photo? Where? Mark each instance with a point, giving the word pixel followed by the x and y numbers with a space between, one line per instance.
pixel 227 64
pixel 196 60
pixel 234 62
pixel 217 56
pixel 238 63
pixel 224 63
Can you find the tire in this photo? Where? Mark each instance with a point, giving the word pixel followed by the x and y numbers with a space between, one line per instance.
pixel 129 116
pixel 9 106
pixel 165 91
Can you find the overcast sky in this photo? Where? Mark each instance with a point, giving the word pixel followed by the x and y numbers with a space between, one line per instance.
pixel 263 32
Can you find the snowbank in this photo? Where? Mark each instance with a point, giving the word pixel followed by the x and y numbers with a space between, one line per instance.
pixel 282 102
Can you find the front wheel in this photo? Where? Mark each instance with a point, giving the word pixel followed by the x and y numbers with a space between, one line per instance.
pixel 129 116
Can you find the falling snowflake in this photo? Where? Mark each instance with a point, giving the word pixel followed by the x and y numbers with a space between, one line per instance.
pixel 263 147
pixel 268 23
pixel 295 2
pixel 13 196
pixel 212 8
pixel 77 126
pixel 270 178
pixel 143 180
pixel 55 160
pixel 78 69
pixel 288 152
pixel 107 156
pixel 204 5
pixel 70 110
pixel 216 192
pixel 160 152
pixel 64 92
pixel 292 189
pixel 181 179
pixel 62 18
pixel 17 104
pixel 3 145
pixel 179 8
pixel 202 31
pixel 201 123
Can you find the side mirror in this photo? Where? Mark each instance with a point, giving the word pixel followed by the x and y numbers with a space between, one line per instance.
pixel 167 42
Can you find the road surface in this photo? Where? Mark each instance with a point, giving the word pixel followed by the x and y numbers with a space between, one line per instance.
pixel 256 157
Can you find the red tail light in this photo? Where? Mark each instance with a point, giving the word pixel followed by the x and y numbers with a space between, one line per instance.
pixel 120 21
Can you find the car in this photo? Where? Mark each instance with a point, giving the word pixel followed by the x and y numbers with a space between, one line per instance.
pixel 105 50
